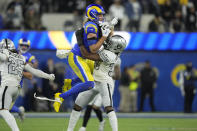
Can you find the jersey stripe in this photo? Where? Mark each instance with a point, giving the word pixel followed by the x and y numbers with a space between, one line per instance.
pixel 0 78
pixel 3 97
pixel 109 94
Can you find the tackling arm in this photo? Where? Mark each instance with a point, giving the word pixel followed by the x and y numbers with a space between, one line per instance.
pixel 91 56
pixel 95 47
pixel 39 73
pixel 117 74
pixel 27 75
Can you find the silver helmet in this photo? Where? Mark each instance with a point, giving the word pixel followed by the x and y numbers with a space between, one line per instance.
pixel 7 44
pixel 116 44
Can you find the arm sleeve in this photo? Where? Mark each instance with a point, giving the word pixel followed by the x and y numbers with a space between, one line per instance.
pixel 36 72
pixel 3 56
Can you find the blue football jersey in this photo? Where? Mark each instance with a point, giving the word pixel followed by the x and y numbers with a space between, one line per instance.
pixel 89 27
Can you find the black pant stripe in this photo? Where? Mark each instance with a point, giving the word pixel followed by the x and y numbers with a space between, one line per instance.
pixel 0 78
pixel 3 97
pixel 109 94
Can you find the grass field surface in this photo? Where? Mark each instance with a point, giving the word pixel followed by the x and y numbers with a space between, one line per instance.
pixel 125 124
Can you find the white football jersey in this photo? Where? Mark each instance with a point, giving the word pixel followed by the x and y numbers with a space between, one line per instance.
pixel 11 70
pixel 103 72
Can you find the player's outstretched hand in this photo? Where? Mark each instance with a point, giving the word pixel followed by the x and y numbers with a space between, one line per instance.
pixel 105 30
pixel 51 77
pixel 114 21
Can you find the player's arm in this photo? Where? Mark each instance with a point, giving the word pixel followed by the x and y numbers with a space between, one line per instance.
pixel 95 47
pixel 27 75
pixel 117 74
pixel 92 38
pixel 39 73
pixel 84 52
pixel 91 56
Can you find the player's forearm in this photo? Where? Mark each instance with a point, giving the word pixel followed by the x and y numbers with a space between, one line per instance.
pixel 27 75
pixel 95 47
pixel 35 72
pixel 91 56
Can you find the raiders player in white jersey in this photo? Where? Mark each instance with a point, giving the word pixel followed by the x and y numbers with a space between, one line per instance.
pixel 13 65
pixel 103 84
pixel 96 103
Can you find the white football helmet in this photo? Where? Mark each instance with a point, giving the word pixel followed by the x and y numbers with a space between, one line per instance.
pixel 7 44
pixel 116 44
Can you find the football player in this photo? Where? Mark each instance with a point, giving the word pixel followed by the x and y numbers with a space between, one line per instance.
pixel 103 84
pixel 13 65
pixel 23 48
pixel 96 103
pixel 93 39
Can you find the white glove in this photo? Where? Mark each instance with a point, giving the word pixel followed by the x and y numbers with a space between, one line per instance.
pixel 51 77
pixel 105 30
pixel 62 53
pixel 108 56
pixel 114 21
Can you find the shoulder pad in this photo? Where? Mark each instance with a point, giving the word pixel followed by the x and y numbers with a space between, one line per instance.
pixel 90 27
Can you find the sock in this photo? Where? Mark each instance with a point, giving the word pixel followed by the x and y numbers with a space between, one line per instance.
pixel 74 117
pixel 9 118
pixel 78 88
pixel 87 115
pixel 99 114
pixel 15 109
pixel 113 120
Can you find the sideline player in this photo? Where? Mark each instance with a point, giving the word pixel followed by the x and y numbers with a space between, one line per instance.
pixel 23 48
pixel 93 39
pixel 13 66
pixel 96 103
pixel 103 85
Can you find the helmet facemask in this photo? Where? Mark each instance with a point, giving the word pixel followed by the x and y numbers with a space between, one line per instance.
pixel 8 44
pixel 23 48
pixel 116 44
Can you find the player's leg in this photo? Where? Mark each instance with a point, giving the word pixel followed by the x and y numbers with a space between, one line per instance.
pixel 6 94
pixel 82 70
pixel 82 100
pixel 106 94
pixel 97 109
pixel 20 110
pixel 95 104
pixel 86 117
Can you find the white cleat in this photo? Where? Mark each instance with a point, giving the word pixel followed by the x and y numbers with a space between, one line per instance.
pixel 102 125
pixel 21 114
pixel 82 129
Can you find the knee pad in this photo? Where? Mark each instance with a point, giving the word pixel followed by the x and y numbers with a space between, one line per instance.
pixel 77 108
pixel 109 109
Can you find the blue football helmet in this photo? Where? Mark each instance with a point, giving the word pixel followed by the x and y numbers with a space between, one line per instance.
pixel 92 12
pixel 24 45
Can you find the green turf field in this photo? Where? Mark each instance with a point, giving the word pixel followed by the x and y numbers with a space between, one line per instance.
pixel 125 124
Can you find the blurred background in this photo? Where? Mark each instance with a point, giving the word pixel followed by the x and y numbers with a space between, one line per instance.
pixel 158 65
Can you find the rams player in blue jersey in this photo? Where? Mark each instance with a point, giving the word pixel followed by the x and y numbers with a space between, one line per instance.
pixel 23 48
pixel 94 35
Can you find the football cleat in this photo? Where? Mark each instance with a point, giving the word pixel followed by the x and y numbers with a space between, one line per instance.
pixel 21 114
pixel 56 105
pixel 82 129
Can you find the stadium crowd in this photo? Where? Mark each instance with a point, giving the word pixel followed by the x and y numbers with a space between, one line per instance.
pixel 169 15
